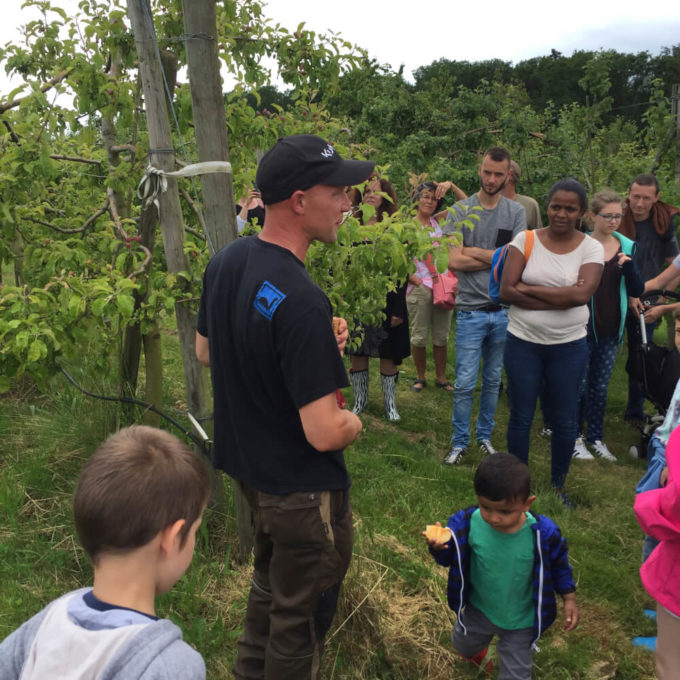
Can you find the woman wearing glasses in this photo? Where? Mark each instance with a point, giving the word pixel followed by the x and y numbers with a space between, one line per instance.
pixel 620 280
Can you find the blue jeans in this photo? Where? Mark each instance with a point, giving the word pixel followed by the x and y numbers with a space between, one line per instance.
pixel 593 400
pixel 560 368
pixel 480 336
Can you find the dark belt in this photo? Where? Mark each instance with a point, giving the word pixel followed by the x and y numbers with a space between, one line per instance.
pixel 489 308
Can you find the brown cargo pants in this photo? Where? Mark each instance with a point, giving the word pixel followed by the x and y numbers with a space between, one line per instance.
pixel 303 546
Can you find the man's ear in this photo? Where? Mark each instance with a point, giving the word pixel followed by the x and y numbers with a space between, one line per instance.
pixel 170 535
pixel 297 202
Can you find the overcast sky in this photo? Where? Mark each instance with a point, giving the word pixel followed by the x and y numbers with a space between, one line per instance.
pixel 414 35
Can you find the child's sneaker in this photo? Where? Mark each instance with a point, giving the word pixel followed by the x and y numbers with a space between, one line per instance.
pixel 601 450
pixel 580 450
pixel 482 660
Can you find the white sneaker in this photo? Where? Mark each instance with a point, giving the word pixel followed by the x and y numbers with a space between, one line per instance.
pixel 486 447
pixel 601 450
pixel 546 431
pixel 580 450
pixel 455 456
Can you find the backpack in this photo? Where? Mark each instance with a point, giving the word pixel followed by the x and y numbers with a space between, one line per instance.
pixel 498 261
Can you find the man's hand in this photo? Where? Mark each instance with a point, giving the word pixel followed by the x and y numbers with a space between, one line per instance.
pixel 635 305
pixel 663 477
pixel 415 280
pixel 481 254
pixel 570 611
pixel 396 321
pixel 341 333
pixel 653 314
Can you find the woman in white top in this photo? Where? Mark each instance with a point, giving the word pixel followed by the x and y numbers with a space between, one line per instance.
pixel 546 344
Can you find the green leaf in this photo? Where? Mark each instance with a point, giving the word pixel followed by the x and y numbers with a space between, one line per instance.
pixel 36 351
pixel 126 305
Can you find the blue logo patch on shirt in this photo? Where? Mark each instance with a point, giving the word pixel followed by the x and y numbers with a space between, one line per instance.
pixel 267 299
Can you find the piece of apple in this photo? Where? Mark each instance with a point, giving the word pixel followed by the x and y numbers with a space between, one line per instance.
pixel 438 534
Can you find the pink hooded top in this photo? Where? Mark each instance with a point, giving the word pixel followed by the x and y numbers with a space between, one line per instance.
pixel 658 513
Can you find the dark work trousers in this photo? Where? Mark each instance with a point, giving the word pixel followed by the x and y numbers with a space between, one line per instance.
pixel 303 546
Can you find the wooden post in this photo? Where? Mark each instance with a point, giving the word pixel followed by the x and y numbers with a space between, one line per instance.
pixel 210 127
pixel 162 157
pixel 210 124
pixel 675 108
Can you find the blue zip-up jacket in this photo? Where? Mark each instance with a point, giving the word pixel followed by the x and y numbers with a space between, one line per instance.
pixel 631 285
pixel 551 574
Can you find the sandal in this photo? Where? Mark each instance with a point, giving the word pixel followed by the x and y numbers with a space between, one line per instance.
pixel 444 386
pixel 418 385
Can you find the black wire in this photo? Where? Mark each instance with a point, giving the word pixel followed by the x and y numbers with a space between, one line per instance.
pixel 150 407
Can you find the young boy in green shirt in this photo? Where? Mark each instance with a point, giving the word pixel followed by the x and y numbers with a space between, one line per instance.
pixel 505 566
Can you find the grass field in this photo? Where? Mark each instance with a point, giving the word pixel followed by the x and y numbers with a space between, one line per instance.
pixel 393 621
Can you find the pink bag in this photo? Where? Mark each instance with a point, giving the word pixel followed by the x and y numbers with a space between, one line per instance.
pixel 444 289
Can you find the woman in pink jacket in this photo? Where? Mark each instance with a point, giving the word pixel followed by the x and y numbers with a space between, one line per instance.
pixel 658 512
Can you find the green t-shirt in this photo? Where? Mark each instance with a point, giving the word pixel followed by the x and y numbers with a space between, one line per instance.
pixel 501 572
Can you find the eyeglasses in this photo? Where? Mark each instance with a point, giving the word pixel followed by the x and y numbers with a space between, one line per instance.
pixel 610 217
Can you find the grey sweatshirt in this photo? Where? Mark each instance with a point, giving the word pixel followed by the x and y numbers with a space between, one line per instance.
pixel 57 644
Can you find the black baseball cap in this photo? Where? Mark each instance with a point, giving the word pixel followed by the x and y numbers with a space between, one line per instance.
pixel 299 162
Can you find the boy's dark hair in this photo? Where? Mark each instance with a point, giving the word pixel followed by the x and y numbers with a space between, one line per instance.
pixel 138 482
pixel 502 476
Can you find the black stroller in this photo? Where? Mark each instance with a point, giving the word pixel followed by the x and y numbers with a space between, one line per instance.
pixel 656 368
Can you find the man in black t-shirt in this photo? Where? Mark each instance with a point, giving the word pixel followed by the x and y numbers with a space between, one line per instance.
pixel 266 331
pixel 651 223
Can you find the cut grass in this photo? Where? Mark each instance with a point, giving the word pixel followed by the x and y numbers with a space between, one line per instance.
pixel 392 621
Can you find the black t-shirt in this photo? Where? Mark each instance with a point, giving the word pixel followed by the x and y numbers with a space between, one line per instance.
pixel 272 351
pixel 653 249
pixel 607 316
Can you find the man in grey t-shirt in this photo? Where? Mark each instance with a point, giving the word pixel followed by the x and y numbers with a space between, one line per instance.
pixel 480 324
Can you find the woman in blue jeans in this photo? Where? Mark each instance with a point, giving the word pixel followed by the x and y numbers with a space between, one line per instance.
pixel 546 343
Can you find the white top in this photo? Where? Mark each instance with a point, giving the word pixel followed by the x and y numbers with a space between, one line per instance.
pixel 422 270
pixel 63 649
pixel 545 268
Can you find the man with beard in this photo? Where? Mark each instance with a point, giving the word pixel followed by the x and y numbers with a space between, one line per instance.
pixel 480 324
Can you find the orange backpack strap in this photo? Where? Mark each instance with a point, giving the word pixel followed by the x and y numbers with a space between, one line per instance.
pixel 528 244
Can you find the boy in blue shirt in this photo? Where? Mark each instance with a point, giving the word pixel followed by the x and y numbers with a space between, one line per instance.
pixel 137 507
pixel 505 566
